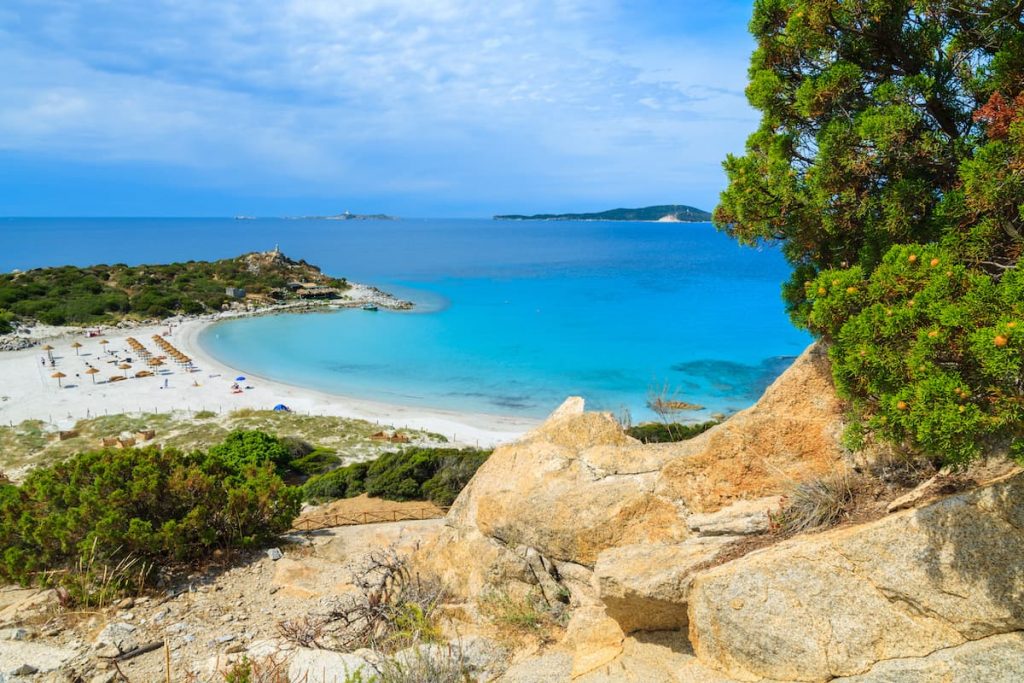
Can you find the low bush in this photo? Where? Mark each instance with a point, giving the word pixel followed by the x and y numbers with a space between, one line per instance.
pixel 6 322
pixel 98 510
pixel 434 474
pixel 660 432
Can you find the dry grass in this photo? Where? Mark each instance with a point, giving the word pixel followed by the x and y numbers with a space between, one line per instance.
pixel 521 620
pixel 816 503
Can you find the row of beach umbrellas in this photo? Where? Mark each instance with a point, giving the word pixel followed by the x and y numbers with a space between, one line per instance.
pixel 135 345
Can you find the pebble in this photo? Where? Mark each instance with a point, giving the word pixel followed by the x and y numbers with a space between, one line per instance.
pixel 127 603
pixel 14 634
pixel 275 554
pixel 227 638
pixel 107 651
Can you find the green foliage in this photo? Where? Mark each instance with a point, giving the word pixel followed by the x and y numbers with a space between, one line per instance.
pixel 890 165
pixel 147 505
pixel 6 322
pixel 248 447
pixel 931 354
pixel 344 482
pixel 70 295
pixel 659 432
pixel 435 474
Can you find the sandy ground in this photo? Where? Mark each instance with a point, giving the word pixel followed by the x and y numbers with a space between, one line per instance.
pixel 27 390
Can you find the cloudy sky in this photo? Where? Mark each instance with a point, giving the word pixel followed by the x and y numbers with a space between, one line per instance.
pixel 412 107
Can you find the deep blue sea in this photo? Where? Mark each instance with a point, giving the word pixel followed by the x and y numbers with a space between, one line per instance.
pixel 512 316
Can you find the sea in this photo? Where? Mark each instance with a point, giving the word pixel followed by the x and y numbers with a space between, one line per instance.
pixel 511 317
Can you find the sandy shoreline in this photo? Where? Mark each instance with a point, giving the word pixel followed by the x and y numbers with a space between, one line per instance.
pixel 27 390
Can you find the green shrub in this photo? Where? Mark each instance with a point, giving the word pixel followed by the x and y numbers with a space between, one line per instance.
pixel 930 351
pixel 317 461
pixel 246 447
pixel 344 482
pixel 660 432
pixel 150 505
pixel 435 474
pixel 6 322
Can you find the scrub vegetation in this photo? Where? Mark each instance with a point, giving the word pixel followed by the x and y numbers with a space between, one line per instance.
pixel 108 293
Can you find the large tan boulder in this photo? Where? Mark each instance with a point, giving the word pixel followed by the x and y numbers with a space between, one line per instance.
pixel 792 433
pixel 837 603
pixel 573 487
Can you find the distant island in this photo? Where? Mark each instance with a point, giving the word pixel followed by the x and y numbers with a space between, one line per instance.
pixel 666 213
pixel 347 216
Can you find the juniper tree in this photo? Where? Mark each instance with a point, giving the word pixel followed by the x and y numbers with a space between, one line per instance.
pixel 889 164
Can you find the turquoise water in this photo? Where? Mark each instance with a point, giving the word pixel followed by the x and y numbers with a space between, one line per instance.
pixel 513 317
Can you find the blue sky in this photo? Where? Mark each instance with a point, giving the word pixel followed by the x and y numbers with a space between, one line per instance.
pixel 411 107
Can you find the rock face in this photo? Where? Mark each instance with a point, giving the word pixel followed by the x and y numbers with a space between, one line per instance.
pixel 998 659
pixel 578 485
pixel 837 604
pixel 792 433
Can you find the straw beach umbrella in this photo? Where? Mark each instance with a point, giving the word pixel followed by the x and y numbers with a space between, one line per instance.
pixel 76 346
pixel 93 372
pixel 58 376
pixel 125 367
pixel 104 342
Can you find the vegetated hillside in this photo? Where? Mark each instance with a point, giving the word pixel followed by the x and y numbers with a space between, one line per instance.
pixel 678 212
pixel 107 293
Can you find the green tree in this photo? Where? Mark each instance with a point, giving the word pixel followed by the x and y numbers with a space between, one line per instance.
pixel 888 164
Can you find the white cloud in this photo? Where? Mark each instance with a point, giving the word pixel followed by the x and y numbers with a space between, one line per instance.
pixel 373 94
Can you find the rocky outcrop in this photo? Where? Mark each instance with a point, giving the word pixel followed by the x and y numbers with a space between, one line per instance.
pixel 792 433
pixel 911 585
pixel 567 491
pixel 578 485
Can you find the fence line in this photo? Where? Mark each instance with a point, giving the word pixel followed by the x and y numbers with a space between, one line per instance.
pixel 368 517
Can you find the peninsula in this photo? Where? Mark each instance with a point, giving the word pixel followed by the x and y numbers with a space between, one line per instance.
pixel 668 213
pixel 110 294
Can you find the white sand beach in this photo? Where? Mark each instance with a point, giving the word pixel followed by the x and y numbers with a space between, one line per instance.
pixel 28 390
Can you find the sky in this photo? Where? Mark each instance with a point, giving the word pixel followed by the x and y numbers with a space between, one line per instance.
pixel 432 108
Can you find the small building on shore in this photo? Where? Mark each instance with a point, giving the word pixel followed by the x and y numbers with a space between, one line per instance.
pixel 235 292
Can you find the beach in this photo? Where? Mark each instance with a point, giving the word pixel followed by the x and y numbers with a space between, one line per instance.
pixel 28 390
